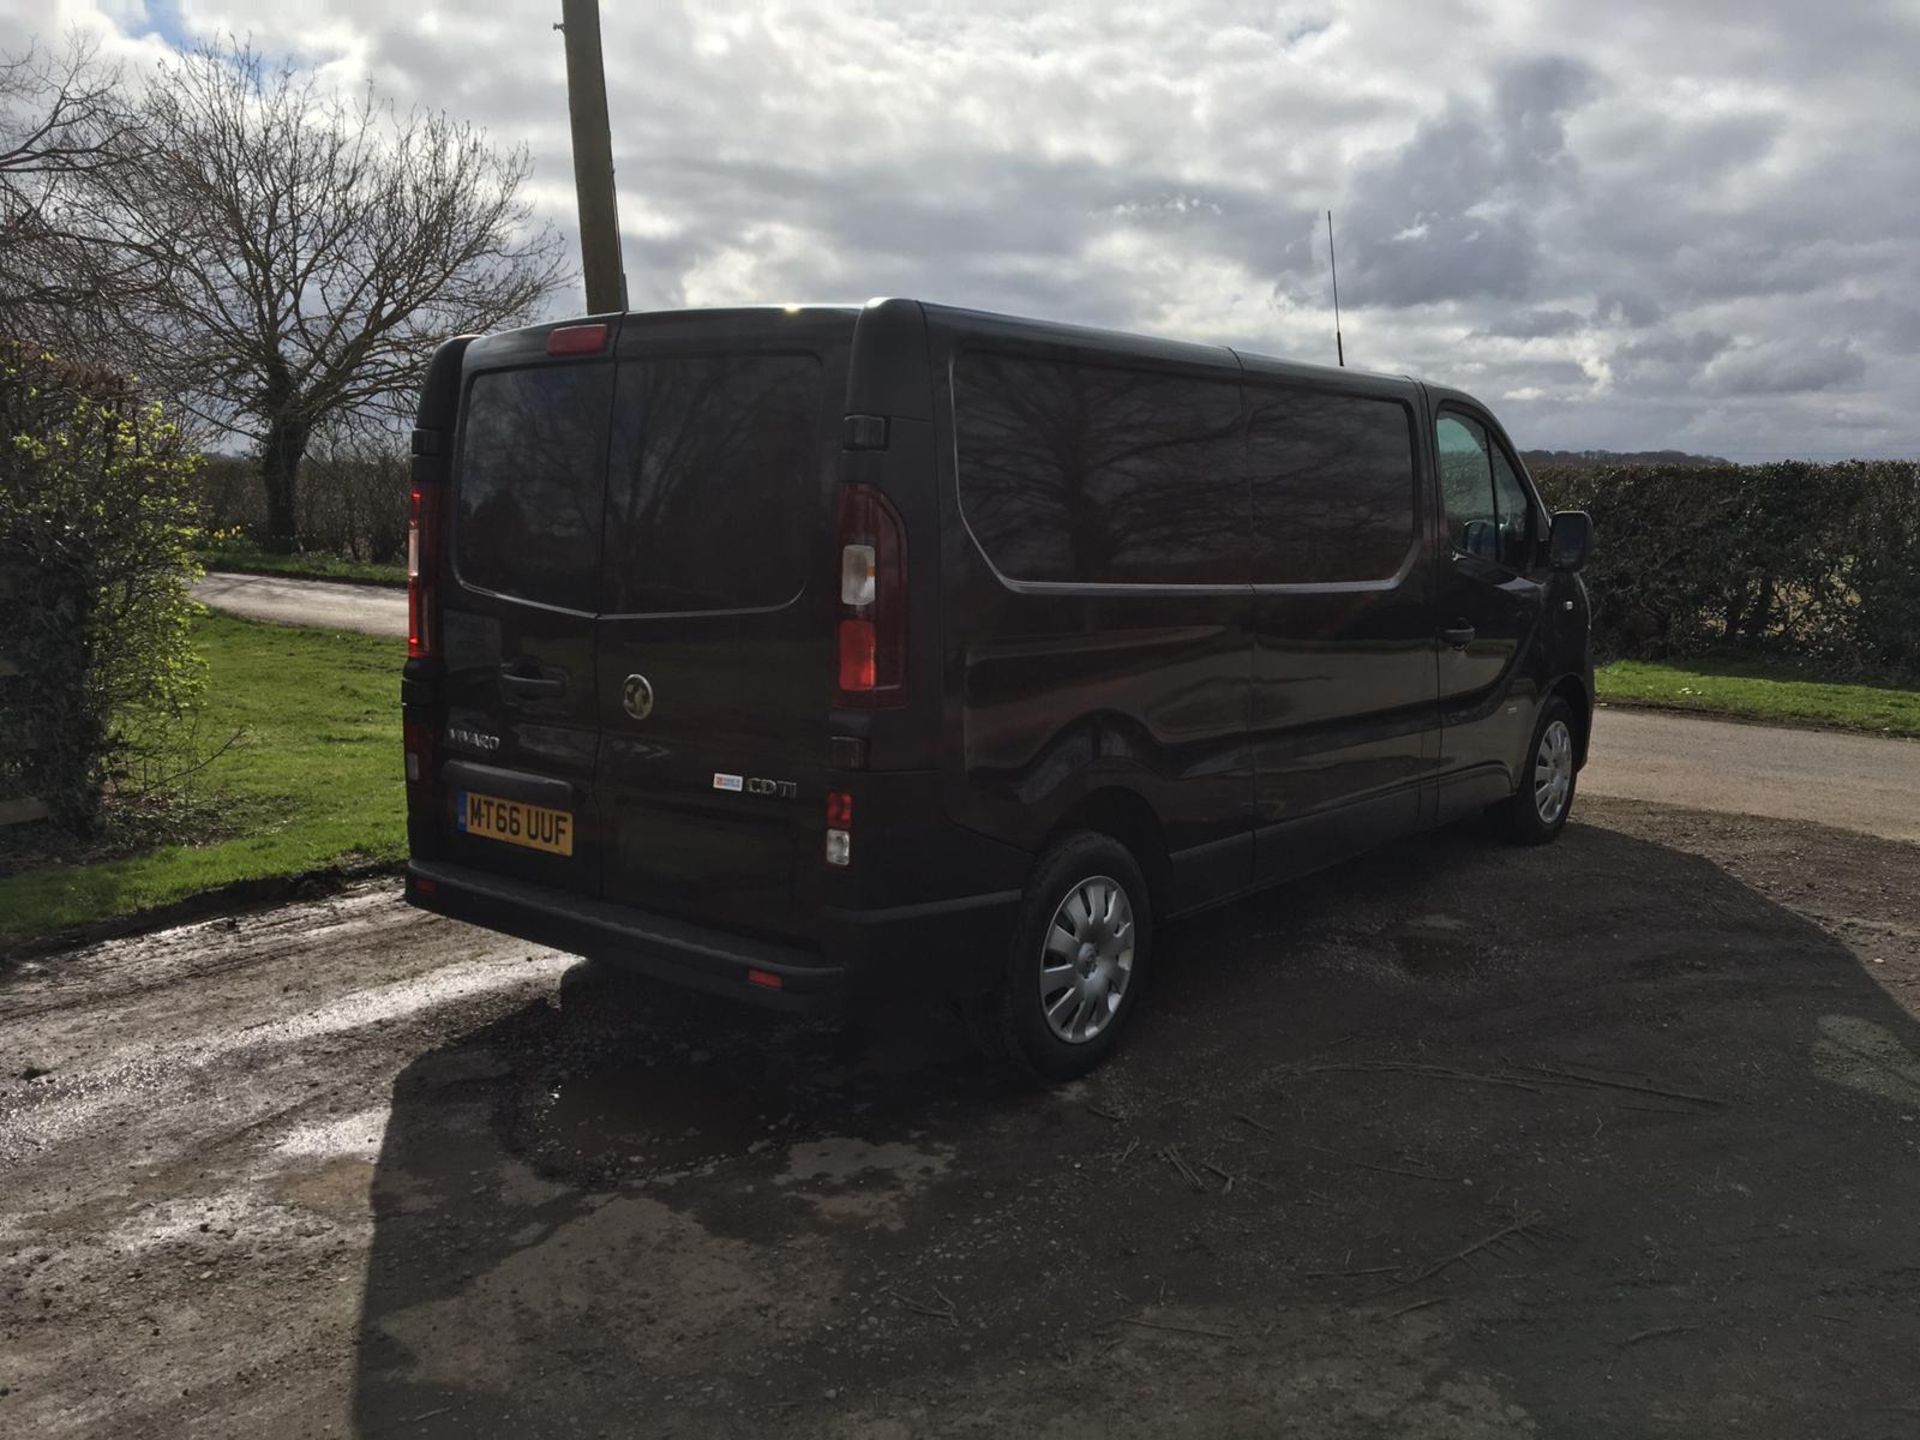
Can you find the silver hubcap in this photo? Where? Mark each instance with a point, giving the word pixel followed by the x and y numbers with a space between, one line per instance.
pixel 1553 772
pixel 1087 959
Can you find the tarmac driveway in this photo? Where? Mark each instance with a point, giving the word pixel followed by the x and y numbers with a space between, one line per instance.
pixel 1620 1137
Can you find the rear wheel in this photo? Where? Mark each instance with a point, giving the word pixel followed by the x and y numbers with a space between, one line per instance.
pixel 1538 810
pixel 1076 964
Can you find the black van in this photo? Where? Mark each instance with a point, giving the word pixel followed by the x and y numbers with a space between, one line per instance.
pixel 813 654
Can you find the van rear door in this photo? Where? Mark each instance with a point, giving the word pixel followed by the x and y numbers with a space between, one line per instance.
pixel 519 592
pixel 716 645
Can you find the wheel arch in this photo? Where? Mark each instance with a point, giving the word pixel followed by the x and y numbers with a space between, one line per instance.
pixel 1123 815
pixel 1573 690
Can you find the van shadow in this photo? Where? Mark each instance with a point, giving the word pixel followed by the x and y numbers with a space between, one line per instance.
pixel 1595 1138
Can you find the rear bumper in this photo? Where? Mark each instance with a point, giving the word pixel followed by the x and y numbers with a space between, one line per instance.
pixel 949 948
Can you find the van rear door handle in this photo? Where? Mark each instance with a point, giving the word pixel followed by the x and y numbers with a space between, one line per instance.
pixel 519 683
pixel 1459 636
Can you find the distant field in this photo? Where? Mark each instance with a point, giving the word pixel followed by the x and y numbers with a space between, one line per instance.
pixel 1760 692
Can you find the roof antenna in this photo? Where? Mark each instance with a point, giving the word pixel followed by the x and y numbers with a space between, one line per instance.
pixel 1339 347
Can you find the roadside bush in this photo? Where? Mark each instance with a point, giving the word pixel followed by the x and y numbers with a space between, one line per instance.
pixel 97 512
pixel 1817 563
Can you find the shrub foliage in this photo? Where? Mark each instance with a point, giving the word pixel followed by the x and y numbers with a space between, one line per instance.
pixel 96 555
pixel 352 499
pixel 1819 563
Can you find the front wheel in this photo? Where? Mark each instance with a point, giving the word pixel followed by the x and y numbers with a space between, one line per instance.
pixel 1076 965
pixel 1538 810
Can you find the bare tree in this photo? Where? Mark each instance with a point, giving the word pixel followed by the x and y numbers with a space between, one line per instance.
pixel 310 250
pixel 64 130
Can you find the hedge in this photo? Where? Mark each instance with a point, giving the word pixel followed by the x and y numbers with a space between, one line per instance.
pixel 1792 560
pixel 96 531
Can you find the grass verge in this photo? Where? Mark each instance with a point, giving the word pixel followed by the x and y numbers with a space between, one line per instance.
pixel 313 782
pixel 247 558
pixel 1759 692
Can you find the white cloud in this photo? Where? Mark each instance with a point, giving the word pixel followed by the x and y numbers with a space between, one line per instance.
pixel 1632 225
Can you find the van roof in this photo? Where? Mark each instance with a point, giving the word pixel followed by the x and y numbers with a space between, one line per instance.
pixel 1105 339
pixel 995 323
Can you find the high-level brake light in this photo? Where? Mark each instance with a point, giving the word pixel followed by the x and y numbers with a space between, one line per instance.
pixel 577 340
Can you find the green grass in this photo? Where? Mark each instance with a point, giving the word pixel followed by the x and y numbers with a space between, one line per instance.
pixel 249 559
pixel 315 779
pixel 1761 692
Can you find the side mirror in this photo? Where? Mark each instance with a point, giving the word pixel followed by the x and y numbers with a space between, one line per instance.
pixel 1570 541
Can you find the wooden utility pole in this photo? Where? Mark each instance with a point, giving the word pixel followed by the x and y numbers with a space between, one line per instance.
pixel 593 158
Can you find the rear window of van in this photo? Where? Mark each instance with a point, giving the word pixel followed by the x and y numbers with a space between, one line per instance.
pixel 531 482
pixel 713 483
pixel 686 484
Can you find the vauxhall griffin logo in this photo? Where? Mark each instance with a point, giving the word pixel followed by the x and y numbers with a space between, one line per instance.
pixel 636 697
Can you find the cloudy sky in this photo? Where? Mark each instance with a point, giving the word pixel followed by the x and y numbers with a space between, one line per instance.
pixel 1630 224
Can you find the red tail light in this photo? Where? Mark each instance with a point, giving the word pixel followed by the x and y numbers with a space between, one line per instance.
pixel 873 599
pixel 423 566
pixel 859 665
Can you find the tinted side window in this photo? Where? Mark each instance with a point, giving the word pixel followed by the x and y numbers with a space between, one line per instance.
pixel 713 485
pixel 532 462
pixel 1333 485
pixel 1098 475
pixel 1466 480
pixel 1515 513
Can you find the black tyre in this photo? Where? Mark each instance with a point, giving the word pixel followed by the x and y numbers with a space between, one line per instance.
pixel 1076 965
pixel 1538 810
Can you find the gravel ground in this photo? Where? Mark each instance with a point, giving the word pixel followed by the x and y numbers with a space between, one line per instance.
pixel 1620 1137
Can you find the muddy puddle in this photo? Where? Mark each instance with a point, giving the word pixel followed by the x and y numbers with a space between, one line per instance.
pixel 676 1115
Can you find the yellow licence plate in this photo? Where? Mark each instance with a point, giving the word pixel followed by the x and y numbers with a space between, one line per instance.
pixel 533 826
